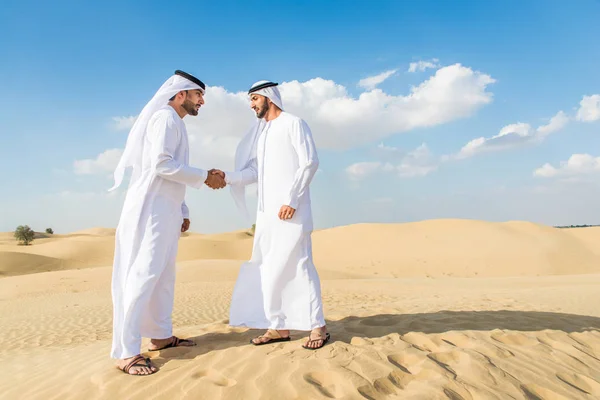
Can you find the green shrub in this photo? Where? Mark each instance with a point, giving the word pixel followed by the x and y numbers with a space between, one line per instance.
pixel 24 234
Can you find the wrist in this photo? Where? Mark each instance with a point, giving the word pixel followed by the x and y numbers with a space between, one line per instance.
pixel 292 203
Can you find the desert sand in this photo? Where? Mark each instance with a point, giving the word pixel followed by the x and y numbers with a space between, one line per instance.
pixel 440 309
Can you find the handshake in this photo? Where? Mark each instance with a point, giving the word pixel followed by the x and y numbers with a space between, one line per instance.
pixel 215 179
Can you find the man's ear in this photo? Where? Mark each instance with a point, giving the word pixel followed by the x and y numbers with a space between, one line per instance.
pixel 179 95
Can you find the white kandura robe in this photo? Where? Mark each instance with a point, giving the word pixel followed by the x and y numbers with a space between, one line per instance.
pixel 279 287
pixel 148 234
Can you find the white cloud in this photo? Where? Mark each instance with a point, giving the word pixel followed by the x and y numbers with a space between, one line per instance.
pixel 389 149
pixel 558 122
pixel 213 134
pixel 84 195
pixel 362 170
pixel 216 131
pixel 577 164
pixel 418 162
pixel 387 152
pixel 337 120
pixel 123 123
pixel 589 108
pixel 104 162
pixel 373 81
pixel 422 65
pixel 545 171
pixel 511 136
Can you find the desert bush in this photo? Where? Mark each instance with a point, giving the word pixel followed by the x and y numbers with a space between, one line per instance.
pixel 24 234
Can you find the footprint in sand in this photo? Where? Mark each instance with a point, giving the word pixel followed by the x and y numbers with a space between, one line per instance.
pixel 370 393
pixel 449 360
pixel 384 386
pixel 450 357
pixel 564 351
pixel 400 378
pixel 381 388
pixel 587 340
pixel 462 340
pixel 458 339
pixel 537 392
pixel 580 382
pixel 470 366
pixel 408 361
pixel 492 351
pixel 422 342
pixel 453 395
pixel 214 377
pixel 387 386
pixel 325 383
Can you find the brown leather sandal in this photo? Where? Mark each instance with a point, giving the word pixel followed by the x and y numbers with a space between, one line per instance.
pixel 136 362
pixel 270 337
pixel 325 340
pixel 175 341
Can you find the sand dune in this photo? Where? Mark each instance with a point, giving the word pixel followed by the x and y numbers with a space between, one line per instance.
pixel 444 309
pixel 68 251
pixel 589 236
pixel 456 248
pixel 95 232
pixel 13 263
pixel 95 247
pixel 460 248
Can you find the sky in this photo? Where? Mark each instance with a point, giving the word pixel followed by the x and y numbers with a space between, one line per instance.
pixel 485 110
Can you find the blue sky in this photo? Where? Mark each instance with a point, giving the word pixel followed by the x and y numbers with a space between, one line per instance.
pixel 390 151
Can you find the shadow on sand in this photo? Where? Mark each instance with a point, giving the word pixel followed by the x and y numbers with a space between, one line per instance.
pixel 444 321
pixel 384 324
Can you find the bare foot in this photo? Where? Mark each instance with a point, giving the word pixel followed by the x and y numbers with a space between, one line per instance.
pixel 317 338
pixel 271 334
pixel 136 365
pixel 173 341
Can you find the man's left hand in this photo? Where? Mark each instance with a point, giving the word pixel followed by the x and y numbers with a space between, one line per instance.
pixel 286 212
pixel 186 225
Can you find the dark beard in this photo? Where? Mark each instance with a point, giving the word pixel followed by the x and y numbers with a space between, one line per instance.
pixel 189 107
pixel 262 111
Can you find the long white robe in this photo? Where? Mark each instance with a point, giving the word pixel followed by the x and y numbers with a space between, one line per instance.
pixel 279 287
pixel 147 236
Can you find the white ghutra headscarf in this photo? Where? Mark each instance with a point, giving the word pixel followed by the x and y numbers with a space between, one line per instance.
pixel 132 155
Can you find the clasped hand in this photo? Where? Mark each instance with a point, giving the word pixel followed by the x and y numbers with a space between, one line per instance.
pixel 215 179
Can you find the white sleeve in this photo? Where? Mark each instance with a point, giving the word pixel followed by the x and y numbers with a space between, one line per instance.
pixel 308 161
pixel 164 138
pixel 185 211
pixel 244 177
